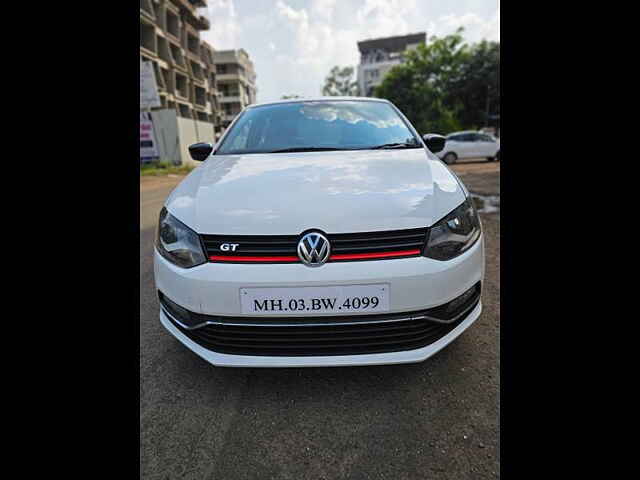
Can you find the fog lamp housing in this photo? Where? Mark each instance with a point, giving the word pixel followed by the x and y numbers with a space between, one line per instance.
pixel 451 310
pixel 180 314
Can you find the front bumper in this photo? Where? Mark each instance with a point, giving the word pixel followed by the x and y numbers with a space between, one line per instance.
pixel 416 283
pixel 408 356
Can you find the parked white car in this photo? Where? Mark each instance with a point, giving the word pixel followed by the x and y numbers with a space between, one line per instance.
pixel 319 233
pixel 470 144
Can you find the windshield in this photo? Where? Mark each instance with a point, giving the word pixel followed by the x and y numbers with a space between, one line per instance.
pixel 324 125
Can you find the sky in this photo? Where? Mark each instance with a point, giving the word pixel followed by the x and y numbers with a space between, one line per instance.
pixel 294 43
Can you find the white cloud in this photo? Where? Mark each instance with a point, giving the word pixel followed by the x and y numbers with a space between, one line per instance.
pixel 381 18
pixel 225 30
pixel 475 26
pixel 294 43
pixel 323 9
pixel 491 29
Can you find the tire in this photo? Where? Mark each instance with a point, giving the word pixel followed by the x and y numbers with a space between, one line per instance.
pixel 450 158
pixel 497 158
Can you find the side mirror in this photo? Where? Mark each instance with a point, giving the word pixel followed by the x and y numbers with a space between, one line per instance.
pixel 200 151
pixel 435 143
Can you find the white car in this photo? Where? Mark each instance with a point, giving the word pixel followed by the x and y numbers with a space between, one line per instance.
pixel 319 233
pixel 470 144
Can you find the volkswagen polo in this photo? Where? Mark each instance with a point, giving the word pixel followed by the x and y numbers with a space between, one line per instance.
pixel 319 233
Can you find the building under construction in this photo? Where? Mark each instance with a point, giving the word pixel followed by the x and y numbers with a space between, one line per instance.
pixel 185 66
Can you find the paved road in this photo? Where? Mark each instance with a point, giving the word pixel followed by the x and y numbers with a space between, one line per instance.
pixel 438 419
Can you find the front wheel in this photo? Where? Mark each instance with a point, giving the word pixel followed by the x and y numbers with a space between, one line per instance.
pixel 498 156
pixel 450 158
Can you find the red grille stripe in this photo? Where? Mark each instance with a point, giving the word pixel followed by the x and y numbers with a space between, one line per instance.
pixel 229 258
pixel 346 256
pixel 356 256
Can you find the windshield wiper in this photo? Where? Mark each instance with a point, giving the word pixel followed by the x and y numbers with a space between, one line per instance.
pixel 306 149
pixel 396 145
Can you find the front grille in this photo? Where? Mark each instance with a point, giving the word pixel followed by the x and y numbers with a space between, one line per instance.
pixel 344 246
pixel 320 336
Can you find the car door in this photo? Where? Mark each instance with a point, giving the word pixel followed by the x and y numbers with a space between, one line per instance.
pixel 476 146
pixel 467 146
pixel 452 145
pixel 489 145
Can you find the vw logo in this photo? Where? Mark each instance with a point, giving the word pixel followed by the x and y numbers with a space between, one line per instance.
pixel 314 249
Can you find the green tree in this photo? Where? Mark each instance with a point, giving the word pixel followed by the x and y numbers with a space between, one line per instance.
pixel 444 86
pixel 340 83
pixel 479 86
pixel 286 97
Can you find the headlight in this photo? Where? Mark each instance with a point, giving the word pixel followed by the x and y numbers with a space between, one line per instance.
pixel 178 243
pixel 454 234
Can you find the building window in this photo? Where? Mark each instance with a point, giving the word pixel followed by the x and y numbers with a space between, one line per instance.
pixel 185 111
pixel 196 70
pixel 173 24
pixel 181 85
pixel 147 6
pixel 148 36
pixel 176 54
pixel 193 44
pixel 200 96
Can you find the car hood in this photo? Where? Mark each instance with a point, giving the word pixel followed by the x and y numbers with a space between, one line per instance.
pixel 336 192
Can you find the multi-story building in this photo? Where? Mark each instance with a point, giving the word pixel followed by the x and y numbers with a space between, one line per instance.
pixel 378 56
pixel 208 53
pixel 184 67
pixel 236 82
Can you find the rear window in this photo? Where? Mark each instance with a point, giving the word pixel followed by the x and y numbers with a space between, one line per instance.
pixel 340 125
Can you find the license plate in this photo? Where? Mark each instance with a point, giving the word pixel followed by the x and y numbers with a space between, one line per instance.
pixel 338 299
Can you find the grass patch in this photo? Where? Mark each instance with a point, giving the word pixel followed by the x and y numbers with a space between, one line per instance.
pixel 164 168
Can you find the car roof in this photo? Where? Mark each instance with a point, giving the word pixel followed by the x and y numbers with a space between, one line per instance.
pixel 463 131
pixel 320 99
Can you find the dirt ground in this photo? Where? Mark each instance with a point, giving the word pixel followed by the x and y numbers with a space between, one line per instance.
pixel 153 182
pixel 482 177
